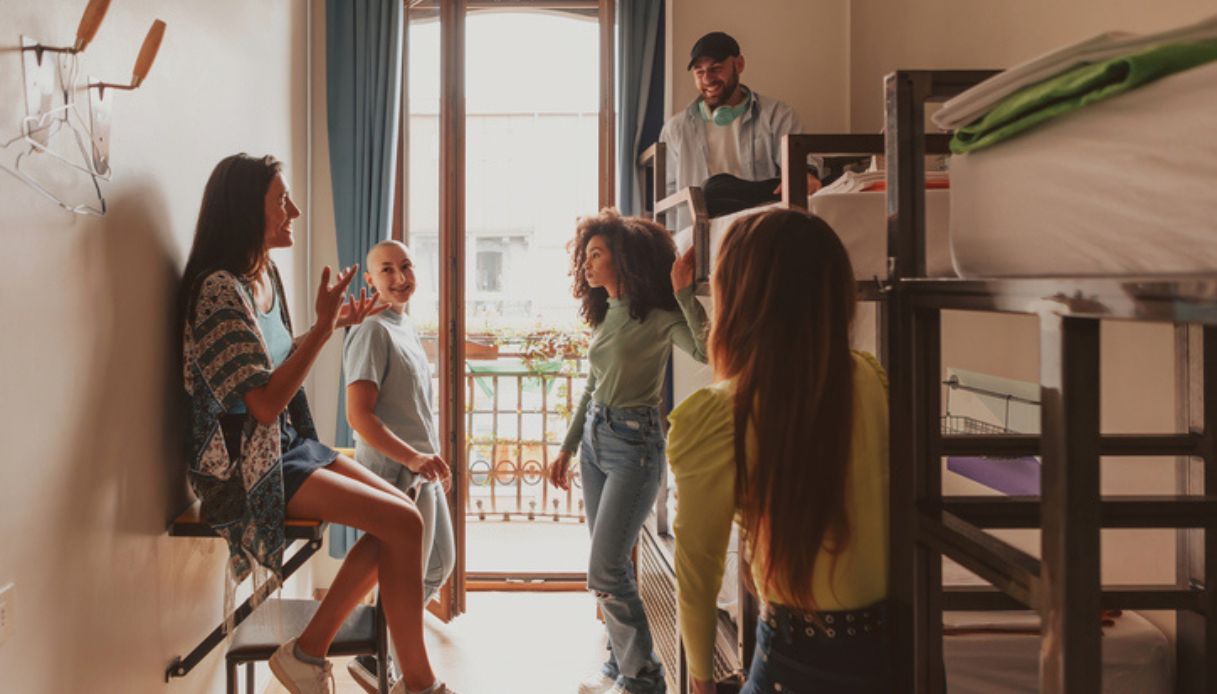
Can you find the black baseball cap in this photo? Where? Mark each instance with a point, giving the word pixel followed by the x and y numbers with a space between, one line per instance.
pixel 716 45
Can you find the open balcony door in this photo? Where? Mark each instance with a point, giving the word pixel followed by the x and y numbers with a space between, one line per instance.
pixel 452 345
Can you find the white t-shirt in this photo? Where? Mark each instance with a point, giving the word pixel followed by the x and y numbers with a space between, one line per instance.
pixel 722 148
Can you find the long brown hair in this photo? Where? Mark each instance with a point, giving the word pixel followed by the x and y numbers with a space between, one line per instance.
pixel 231 230
pixel 784 299
pixel 643 253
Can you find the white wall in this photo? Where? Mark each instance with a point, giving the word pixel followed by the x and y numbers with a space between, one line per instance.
pixel 981 34
pixel 323 388
pixel 95 462
pixel 794 50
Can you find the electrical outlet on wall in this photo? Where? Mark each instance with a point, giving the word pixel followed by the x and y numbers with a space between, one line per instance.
pixel 6 612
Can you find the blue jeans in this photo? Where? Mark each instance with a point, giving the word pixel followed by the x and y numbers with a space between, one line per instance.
pixel 787 662
pixel 439 545
pixel 621 460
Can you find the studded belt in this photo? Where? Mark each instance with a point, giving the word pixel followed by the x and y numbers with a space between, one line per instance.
pixel 795 625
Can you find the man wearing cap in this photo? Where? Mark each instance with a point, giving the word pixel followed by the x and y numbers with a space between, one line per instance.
pixel 729 128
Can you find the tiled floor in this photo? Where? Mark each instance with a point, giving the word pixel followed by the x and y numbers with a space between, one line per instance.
pixel 527 546
pixel 509 643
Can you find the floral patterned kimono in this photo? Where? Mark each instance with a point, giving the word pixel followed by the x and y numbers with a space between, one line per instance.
pixel 225 357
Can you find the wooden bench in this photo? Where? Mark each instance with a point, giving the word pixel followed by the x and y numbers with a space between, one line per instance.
pixel 364 631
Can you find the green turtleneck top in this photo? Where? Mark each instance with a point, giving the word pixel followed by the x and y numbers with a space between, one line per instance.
pixel 627 357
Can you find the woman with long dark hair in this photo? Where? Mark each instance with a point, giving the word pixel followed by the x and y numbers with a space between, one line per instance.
pixel 791 439
pixel 639 301
pixel 255 456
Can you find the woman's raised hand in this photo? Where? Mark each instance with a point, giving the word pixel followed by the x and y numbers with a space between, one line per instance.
pixel 354 310
pixel 330 296
pixel 682 271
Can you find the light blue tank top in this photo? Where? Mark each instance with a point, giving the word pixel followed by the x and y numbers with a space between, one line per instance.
pixel 274 332
pixel 278 340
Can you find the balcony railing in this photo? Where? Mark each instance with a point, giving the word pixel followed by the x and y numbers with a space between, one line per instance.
pixel 517 416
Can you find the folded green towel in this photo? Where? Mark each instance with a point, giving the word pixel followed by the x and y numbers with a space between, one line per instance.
pixel 1079 87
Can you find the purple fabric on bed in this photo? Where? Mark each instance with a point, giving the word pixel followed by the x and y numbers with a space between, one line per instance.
pixel 1012 476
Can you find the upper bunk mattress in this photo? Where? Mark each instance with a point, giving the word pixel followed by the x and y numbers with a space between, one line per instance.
pixel 860 220
pixel 1122 187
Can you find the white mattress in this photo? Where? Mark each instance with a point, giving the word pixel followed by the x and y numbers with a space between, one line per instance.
pixel 1136 660
pixel 1123 187
pixel 860 219
pixel 1136 654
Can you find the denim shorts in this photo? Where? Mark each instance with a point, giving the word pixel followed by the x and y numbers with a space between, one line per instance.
pixel 300 456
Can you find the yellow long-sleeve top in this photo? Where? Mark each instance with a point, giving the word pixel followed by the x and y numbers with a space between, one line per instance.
pixel 701 450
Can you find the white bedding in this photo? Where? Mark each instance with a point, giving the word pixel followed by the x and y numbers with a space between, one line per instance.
pixel 1136 660
pixel 1136 654
pixel 1125 186
pixel 860 219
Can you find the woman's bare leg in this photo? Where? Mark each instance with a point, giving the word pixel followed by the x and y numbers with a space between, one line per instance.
pixel 349 468
pixel 355 578
pixel 397 527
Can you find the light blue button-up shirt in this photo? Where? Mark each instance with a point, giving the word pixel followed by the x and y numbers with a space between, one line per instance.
pixel 760 148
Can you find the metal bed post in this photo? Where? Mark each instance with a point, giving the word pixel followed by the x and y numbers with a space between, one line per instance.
pixel 1196 632
pixel 926 452
pixel 656 158
pixel 909 561
pixel 1209 451
pixel 911 349
pixel 1070 570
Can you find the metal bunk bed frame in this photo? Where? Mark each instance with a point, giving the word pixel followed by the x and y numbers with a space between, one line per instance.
pixel 1065 585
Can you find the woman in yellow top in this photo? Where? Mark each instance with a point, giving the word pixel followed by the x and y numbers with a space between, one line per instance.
pixel 791 442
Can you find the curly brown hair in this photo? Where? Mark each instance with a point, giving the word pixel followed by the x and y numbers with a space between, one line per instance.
pixel 643 253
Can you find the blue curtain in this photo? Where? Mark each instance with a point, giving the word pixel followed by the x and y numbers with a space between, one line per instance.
pixel 639 93
pixel 363 61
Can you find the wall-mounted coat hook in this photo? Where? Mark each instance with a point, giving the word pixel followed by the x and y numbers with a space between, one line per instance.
pixel 54 126
pixel 90 21
pixel 143 62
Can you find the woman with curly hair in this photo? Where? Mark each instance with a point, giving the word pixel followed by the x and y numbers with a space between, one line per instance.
pixel 639 301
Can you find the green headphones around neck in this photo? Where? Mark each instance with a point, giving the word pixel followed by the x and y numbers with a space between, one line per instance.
pixel 723 115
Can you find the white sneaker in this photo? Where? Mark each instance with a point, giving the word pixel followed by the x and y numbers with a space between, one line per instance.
pixel 598 683
pixel 298 676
